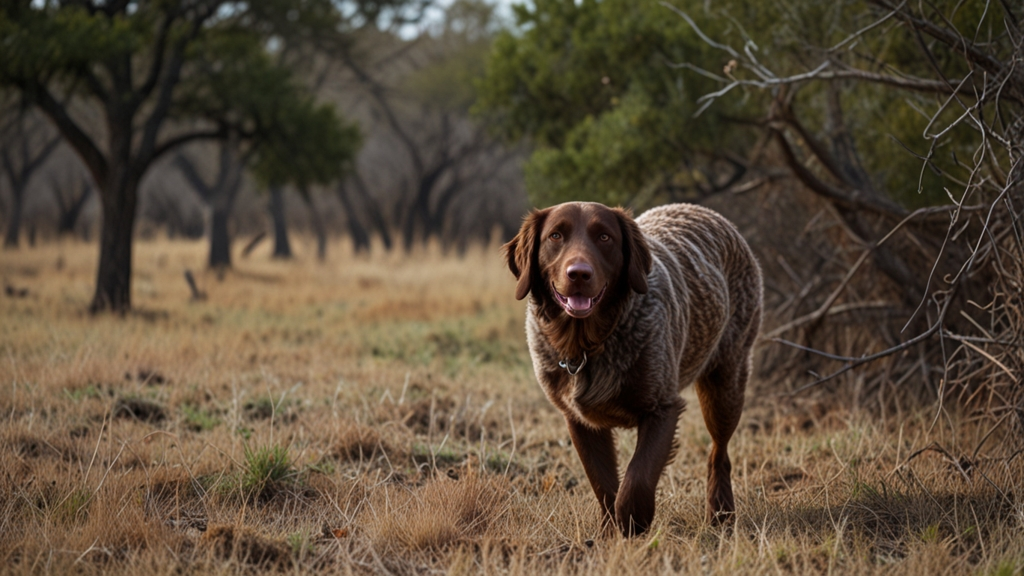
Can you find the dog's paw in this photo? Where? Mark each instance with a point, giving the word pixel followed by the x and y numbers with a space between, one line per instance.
pixel 634 511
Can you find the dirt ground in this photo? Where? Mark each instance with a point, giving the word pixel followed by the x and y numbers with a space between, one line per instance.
pixel 380 415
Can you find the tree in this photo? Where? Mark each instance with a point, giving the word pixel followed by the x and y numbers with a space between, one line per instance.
pixel 421 93
pixel 219 195
pixel 282 247
pixel 360 235
pixel 311 147
pixel 25 144
pixel 611 94
pixel 71 195
pixel 160 74
pixel 593 86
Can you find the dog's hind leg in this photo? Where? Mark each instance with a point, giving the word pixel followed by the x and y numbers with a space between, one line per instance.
pixel 720 391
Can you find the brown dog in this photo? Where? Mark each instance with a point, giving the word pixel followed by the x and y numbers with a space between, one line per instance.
pixel 624 313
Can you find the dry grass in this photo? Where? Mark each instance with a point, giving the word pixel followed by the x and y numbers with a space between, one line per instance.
pixel 401 431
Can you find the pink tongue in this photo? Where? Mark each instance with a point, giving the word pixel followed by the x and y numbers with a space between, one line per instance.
pixel 579 302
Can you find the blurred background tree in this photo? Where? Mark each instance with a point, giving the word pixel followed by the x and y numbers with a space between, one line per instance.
pixel 453 181
pixel 25 144
pixel 408 160
pixel 162 74
pixel 220 195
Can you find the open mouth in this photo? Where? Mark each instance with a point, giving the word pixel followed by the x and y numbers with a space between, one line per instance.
pixel 578 306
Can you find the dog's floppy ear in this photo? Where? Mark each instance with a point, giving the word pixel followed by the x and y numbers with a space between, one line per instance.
pixel 635 250
pixel 521 251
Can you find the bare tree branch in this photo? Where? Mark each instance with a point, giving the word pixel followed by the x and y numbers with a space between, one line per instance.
pixel 175 141
pixel 75 135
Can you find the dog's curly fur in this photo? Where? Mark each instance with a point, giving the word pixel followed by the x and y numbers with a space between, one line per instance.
pixel 670 298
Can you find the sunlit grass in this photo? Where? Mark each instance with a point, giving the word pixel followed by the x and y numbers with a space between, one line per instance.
pixel 380 416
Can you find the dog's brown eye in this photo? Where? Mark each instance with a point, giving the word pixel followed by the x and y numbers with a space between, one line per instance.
pixel 604 237
pixel 555 236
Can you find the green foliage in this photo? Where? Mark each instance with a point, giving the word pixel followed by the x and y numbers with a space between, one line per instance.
pixel 198 419
pixel 1008 567
pixel 930 534
pixel 305 144
pixel 300 544
pixel 593 85
pixel 444 456
pixel 56 43
pixel 295 140
pixel 497 462
pixel 615 155
pixel 229 76
pixel 78 394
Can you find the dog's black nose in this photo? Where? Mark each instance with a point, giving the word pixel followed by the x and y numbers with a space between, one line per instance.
pixel 579 271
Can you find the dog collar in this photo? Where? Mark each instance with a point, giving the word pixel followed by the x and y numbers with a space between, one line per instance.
pixel 572 368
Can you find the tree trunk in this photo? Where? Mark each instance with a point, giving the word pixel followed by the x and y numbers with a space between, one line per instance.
pixel 113 279
pixel 13 220
pixel 318 226
pixel 19 177
pixel 69 213
pixel 282 248
pixel 360 238
pixel 220 240
pixel 219 196
pixel 374 212
pixel 321 237
pixel 418 217
pixel 436 219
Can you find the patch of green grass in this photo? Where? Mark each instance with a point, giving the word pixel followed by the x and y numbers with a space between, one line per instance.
pixel 930 534
pixel 199 420
pixel 300 544
pixel 325 466
pixel 79 394
pixel 267 469
pixel 75 503
pixel 497 462
pixel 455 342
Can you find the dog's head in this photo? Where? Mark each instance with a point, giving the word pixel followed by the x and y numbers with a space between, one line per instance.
pixel 576 257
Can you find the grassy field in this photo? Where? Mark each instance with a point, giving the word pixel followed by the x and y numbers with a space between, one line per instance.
pixel 381 416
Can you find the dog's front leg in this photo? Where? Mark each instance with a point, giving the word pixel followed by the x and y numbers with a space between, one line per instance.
pixel 655 447
pixel 597 452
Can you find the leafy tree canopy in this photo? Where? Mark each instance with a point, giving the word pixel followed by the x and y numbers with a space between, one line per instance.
pixel 228 77
pixel 294 140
